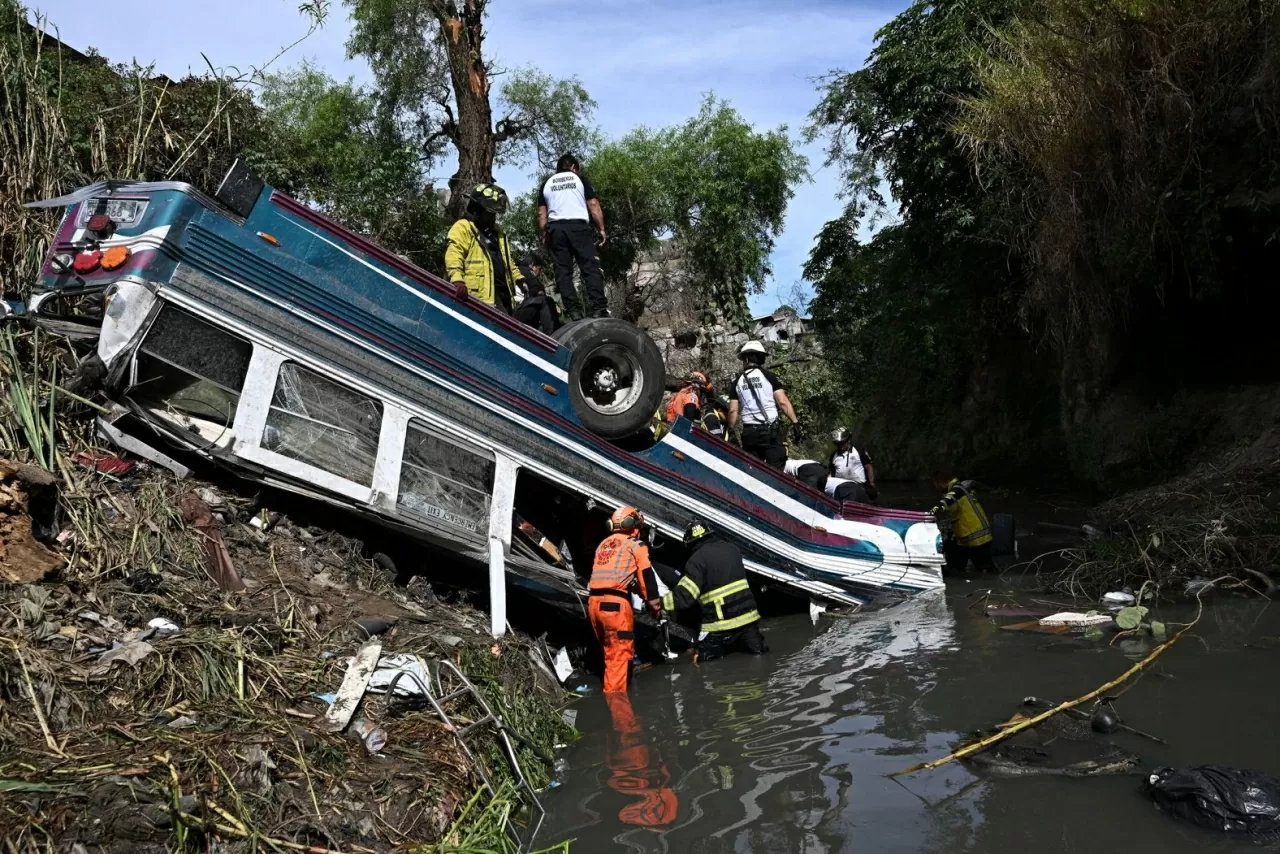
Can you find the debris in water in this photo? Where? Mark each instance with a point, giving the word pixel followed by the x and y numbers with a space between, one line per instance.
pixel 1119 598
pixel 1230 800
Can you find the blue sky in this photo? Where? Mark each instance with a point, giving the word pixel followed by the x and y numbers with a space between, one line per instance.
pixel 646 62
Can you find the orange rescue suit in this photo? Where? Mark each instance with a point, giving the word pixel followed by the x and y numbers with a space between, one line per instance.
pixel 684 397
pixel 621 566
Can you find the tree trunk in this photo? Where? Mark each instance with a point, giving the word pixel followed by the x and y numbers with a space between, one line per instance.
pixel 463 33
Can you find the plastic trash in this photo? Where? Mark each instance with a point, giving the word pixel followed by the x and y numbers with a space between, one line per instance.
pixel 374 737
pixel 1226 799
pixel 1075 620
pixel 815 610
pixel 564 667
pixel 163 627
pixel 1119 598
pixel 391 666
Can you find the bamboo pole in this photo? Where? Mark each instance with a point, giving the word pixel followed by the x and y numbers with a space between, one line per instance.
pixel 975 747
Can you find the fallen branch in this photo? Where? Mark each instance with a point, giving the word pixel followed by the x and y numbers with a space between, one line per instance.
pixel 977 746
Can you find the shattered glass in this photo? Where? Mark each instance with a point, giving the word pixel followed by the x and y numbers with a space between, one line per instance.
pixel 188 367
pixel 319 422
pixel 443 482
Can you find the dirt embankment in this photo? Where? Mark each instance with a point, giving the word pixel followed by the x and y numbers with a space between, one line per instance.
pixel 143 707
pixel 1222 519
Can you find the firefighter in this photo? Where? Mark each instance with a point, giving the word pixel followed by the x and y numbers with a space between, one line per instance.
pixel 758 400
pixel 966 529
pixel 715 578
pixel 477 255
pixel 567 209
pixel 621 567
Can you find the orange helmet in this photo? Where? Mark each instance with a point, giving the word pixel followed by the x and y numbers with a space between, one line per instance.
pixel 697 378
pixel 626 519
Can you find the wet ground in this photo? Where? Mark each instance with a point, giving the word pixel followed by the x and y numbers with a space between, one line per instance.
pixel 791 752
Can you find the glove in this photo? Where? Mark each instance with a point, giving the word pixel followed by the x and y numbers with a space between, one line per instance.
pixel 872 492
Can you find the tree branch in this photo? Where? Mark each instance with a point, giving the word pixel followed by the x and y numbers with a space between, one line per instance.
pixel 509 128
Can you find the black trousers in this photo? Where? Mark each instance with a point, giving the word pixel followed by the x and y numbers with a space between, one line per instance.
pixel 852 492
pixel 958 557
pixel 538 312
pixel 747 639
pixel 812 474
pixel 575 241
pixel 764 443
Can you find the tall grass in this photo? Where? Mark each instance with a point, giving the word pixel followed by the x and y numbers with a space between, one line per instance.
pixel 66 121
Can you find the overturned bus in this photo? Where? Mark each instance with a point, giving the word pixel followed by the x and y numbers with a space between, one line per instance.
pixel 248 329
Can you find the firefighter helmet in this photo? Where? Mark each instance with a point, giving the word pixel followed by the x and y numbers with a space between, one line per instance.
pixel 488 197
pixel 626 519
pixel 696 530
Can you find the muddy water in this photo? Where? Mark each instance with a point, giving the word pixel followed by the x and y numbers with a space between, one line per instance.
pixel 790 752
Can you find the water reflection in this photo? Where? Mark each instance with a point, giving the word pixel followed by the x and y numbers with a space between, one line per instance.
pixel 756 752
pixel 636 769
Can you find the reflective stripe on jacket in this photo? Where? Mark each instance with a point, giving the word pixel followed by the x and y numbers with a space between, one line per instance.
pixel 467 261
pixel 715 578
pixel 969 523
pixel 622 565
pixel 684 397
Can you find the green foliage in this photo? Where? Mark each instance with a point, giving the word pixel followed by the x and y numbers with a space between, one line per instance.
pixel 67 119
pixel 329 144
pixel 1131 617
pixel 714 184
pixel 557 115
pixel 915 311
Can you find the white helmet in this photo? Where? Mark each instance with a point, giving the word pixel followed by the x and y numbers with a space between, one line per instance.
pixel 751 347
pixel 839 435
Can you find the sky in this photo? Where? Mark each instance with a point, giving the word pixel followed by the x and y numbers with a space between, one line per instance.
pixel 645 62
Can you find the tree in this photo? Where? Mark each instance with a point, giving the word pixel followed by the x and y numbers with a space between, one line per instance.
pixel 330 144
pixel 432 72
pixel 714 185
pixel 919 307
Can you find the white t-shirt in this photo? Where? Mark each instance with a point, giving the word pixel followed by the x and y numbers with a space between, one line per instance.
pixel 565 197
pixel 833 483
pixel 792 467
pixel 850 466
pixel 754 389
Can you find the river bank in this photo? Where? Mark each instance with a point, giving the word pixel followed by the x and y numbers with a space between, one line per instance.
pixel 169 666
pixel 1219 519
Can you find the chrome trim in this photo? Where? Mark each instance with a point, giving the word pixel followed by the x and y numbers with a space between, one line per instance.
pixel 105 189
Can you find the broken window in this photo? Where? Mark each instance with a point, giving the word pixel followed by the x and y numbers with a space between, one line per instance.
pixel 319 422
pixel 191 370
pixel 443 482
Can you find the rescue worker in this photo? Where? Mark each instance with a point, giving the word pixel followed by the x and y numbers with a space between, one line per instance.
pixel 536 309
pixel 851 464
pixel 568 201
pixel 636 768
pixel 809 472
pixel 966 529
pixel 688 400
pixel 477 254
pixel 621 567
pixel 715 578
pixel 758 398
pixel 715 413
